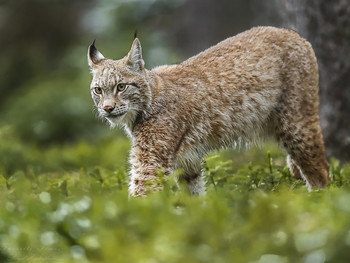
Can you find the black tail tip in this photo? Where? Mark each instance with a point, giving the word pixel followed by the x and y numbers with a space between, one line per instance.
pixel 135 34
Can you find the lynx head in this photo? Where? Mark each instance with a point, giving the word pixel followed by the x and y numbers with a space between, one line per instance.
pixel 119 88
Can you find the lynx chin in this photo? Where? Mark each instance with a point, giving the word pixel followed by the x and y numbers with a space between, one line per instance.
pixel 257 84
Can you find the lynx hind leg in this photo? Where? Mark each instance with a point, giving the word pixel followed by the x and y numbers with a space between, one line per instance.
pixel 192 178
pixel 305 147
pixel 294 169
pixel 194 183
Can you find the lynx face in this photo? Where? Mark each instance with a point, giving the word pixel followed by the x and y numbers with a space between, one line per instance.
pixel 119 88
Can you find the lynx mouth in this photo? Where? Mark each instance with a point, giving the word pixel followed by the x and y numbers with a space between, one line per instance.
pixel 115 115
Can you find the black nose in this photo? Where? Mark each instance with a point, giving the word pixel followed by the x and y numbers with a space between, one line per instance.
pixel 108 109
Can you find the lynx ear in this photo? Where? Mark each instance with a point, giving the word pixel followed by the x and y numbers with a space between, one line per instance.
pixel 94 56
pixel 134 58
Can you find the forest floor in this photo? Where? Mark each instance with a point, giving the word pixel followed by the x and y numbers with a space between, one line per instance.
pixel 69 203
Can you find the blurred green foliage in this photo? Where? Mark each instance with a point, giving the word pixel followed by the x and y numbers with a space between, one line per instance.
pixel 31 158
pixel 52 111
pixel 69 203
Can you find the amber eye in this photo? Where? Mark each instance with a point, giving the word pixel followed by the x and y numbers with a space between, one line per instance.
pixel 98 90
pixel 121 87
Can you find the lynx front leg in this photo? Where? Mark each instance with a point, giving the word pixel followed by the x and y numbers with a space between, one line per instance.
pixel 145 165
pixel 140 183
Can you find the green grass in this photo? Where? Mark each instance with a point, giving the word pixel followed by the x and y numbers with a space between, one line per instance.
pixel 69 203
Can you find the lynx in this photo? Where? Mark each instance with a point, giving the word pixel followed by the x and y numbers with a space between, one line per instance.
pixel 257 84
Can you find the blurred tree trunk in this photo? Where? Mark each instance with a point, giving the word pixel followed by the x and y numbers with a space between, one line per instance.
pixel 202 23
pixel 326 24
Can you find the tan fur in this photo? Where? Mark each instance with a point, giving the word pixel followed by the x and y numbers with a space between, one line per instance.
pixel 261 82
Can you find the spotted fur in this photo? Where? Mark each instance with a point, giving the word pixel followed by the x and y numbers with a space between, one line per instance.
pixel 263 82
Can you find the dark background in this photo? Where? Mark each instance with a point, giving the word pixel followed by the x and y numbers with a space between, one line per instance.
pixel 44 95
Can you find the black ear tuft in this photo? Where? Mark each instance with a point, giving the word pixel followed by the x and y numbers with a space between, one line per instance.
pixel 94 56
pixel 135 34
pixel 93 53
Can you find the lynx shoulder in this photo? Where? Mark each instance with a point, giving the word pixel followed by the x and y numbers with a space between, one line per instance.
pixel 262 82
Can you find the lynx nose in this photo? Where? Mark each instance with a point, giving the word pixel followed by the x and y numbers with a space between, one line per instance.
pixel 108 109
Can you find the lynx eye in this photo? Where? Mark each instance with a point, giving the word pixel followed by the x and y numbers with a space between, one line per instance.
pixel 121 87
pixel 98 90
